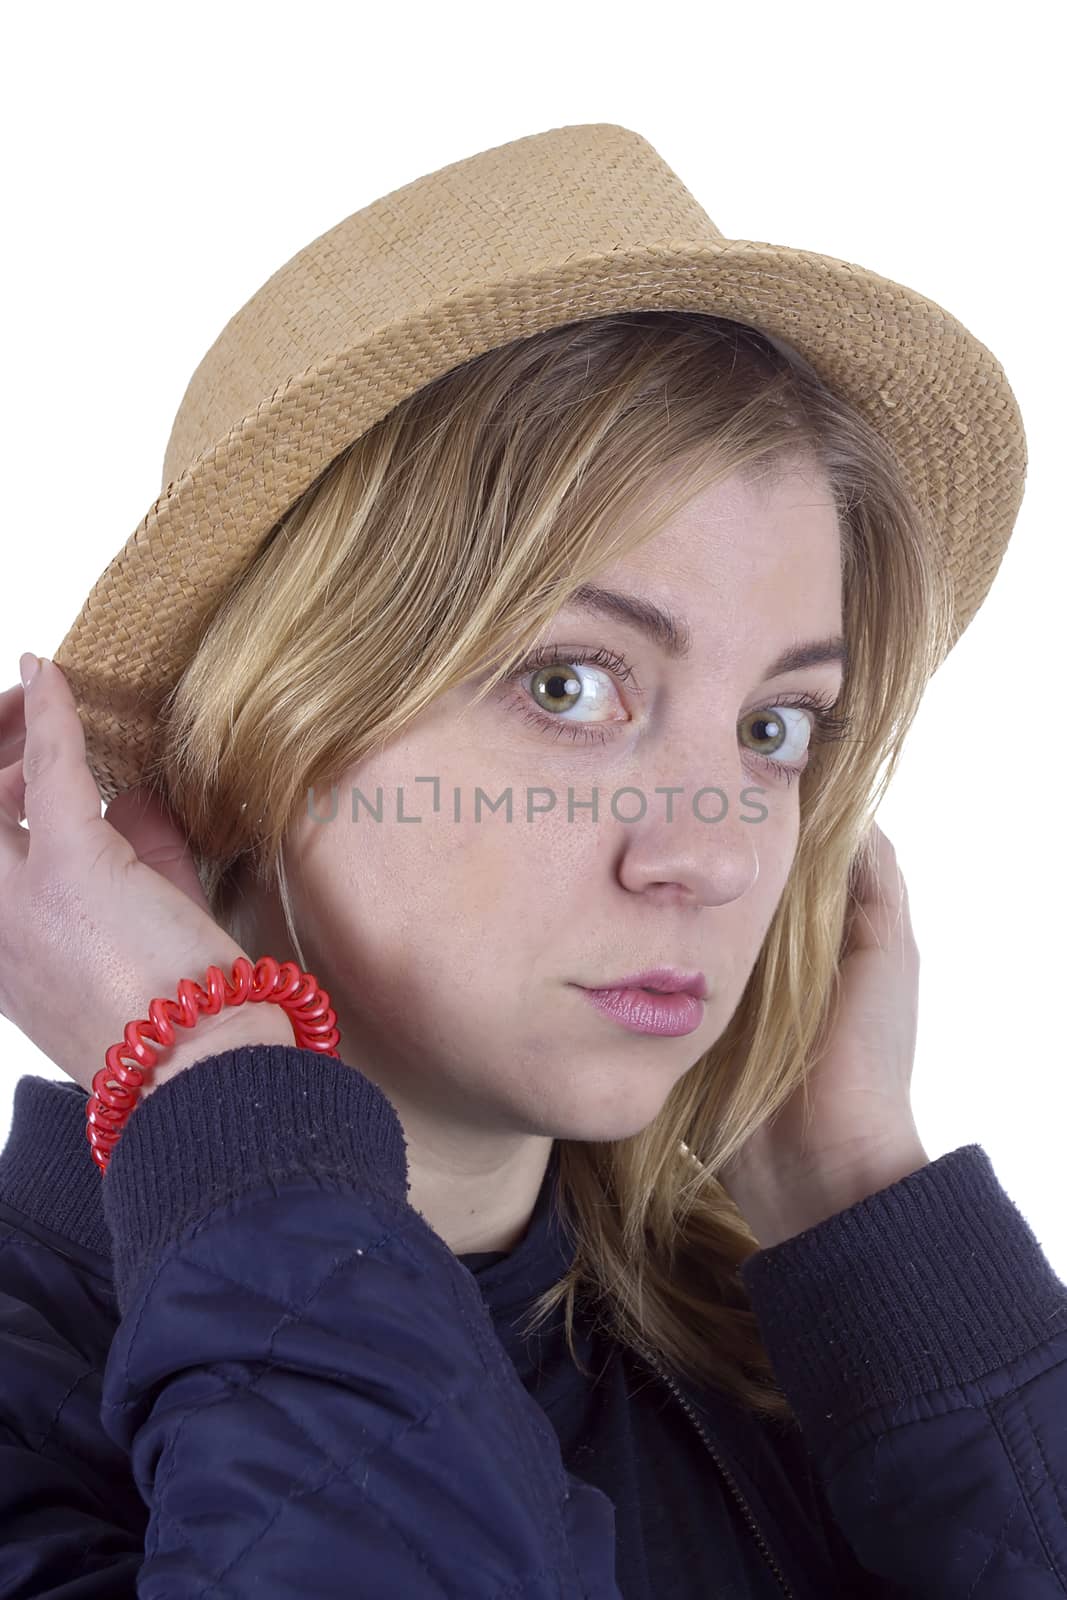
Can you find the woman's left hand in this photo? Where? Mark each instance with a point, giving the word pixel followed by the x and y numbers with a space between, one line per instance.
pixel 860 1133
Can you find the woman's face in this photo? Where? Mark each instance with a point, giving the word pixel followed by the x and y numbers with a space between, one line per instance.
pixel 457 948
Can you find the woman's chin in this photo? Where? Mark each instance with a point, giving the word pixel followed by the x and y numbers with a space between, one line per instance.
pixel 601 1118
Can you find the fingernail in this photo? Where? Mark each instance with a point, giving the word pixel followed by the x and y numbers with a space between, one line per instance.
pixel 29 664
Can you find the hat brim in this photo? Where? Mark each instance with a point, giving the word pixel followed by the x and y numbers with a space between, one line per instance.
pixel 936 394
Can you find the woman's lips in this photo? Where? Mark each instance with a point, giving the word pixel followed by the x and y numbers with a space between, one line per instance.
pixel 645 1012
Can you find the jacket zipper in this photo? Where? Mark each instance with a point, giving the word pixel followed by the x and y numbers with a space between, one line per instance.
pixel 735 1491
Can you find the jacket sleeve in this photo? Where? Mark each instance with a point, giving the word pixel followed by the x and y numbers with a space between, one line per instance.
pixel 307 1381
pixel 71 1521
pixel 921 1338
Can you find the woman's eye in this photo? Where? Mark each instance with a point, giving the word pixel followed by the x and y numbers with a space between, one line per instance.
pixel 581 700
pixel 575 692
pixel 781 735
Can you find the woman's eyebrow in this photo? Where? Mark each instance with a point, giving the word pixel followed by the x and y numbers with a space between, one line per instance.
pixel 673 635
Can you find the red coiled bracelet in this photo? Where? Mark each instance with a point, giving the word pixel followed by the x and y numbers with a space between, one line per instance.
pixel 298 993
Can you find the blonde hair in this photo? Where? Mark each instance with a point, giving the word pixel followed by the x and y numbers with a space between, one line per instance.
pixel 434 547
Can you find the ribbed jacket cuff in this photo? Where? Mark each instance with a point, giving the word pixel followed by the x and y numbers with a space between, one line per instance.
pixel 936 1280
pixel 239 1121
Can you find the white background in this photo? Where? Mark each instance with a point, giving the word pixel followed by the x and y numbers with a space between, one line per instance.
pixel 161 162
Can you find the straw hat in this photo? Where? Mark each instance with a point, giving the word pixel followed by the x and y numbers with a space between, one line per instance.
pixel 572 223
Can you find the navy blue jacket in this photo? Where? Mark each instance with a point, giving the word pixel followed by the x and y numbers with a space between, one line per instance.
pixel 242 1364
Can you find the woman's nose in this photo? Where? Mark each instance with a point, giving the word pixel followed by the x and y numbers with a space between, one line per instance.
pixel 702 844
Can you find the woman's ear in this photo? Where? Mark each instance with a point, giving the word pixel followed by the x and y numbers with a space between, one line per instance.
pixel 287 909
pixel 230 903
pixel 143 819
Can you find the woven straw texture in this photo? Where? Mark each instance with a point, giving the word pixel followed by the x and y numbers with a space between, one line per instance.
pixel 572 223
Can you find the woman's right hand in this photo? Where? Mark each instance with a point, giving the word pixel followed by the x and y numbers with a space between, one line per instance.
pixel 98 915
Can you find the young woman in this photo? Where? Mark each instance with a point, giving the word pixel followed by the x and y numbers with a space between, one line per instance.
pixel 520 647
